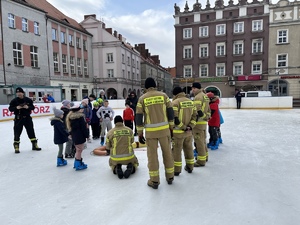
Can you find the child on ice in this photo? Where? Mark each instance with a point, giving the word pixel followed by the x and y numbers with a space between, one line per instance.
pixel 60 135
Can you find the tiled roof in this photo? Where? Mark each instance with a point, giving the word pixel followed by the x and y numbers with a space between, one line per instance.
pixel 53 13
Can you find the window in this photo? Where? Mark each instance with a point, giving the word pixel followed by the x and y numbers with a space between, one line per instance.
pixel 78 42
pixel 137 76
pixel 256 46
pixel 203 50
pixel 63 37
pixel 72 65
pixel 110 73
pixel 123 73
pixel 203 31
pixel 187 33
pixel 71 41
pixel 55 62
pixel 220 69
pixel 128 75
pixel 220 49
pixel 11 20
pixel 257 25
pixel 34 56
pixel 17 54
pixel 123 58
pixel 282 36
pixel 239 27
pixel 137 64
pixel 238 47
pixel 54 34
pixel 133 64
pixel 79 66
pixel 237 68
pixel 64 63
pixel 282 60
pixel 128 61
pixel 256 67
pixel 24 24
pixel 85 67
pixel 187 52
pixel 204 70
pixel 84 45
pixel 187 71
pixel 110 57
pixel 132 76
pixel 220 29
pixel 36 27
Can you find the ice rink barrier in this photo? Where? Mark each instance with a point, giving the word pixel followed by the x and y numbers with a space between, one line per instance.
pixel 285 102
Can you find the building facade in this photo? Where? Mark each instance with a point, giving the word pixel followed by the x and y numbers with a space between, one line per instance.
pixel 116 63
pixel 225 47
pixel 41 47
pixel 284 67
pixel 150 67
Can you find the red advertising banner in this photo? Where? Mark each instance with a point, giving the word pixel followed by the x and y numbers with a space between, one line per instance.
pixel 249 77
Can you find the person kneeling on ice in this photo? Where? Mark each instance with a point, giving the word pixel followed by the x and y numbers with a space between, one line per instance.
pixel 119 144
pixel 76 125
pixel 60 134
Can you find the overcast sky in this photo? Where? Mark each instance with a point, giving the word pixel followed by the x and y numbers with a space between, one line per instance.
pixel 139 21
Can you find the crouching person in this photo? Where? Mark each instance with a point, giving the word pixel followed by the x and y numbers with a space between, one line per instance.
pixel 119 143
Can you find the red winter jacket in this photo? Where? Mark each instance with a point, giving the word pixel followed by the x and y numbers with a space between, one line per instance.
pixel 214 121
pixel 128 114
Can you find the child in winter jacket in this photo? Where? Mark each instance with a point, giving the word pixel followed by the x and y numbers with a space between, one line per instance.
pixel 128 116
pixel 95 122
pixel 214 121
pixel 60 135
pixel 76 125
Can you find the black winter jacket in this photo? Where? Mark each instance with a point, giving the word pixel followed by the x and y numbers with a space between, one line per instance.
pixel 79 131
pixel 60 133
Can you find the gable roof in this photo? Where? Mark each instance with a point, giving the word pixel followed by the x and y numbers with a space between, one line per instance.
pixel 53 13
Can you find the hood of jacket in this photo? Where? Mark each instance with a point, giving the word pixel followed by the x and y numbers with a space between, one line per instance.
pixel 55 120
pixel 180 95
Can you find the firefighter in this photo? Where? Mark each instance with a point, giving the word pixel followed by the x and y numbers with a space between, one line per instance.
pixel 185 115
pixel 22 107
pixel 201 102
pixel 119 145
pixel 154 112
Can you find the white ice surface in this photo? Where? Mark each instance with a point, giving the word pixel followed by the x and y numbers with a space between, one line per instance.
pixel 254 178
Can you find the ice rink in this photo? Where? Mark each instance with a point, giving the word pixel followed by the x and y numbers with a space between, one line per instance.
pixel 253 178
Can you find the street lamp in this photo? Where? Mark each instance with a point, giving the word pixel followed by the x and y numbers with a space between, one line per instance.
pixel 278 91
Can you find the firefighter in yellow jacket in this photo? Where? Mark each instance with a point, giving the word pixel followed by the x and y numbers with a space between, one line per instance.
pixel 154 112
pixel 201 102
pixel 185 115
pixel 119 144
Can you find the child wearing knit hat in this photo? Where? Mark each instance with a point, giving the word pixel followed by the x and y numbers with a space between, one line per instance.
pixel 60 134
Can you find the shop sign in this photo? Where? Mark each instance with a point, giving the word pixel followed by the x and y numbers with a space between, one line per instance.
pixel 249 77
pixel 290 77
pixel 211 79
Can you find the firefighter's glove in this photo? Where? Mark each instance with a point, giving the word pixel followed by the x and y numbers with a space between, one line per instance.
pixel 142 140
pixel 176 121
pixel 107 151
pixel 200 113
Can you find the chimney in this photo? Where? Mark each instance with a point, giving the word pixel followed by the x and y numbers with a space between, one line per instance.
pixel 109 30
pixel 103 25
pixel 120 37
pixel 155 58
pixel 91 15
pixel 115 33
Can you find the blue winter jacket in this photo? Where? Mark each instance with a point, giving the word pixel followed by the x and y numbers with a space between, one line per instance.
pixel 60 133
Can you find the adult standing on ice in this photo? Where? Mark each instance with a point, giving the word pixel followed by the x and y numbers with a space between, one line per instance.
pixel 22 107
